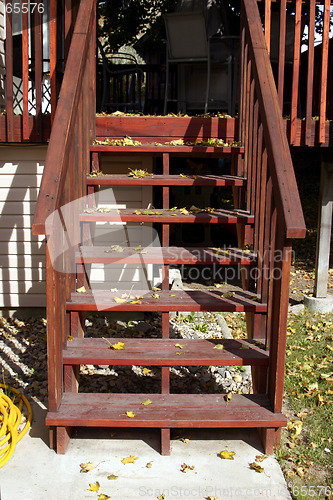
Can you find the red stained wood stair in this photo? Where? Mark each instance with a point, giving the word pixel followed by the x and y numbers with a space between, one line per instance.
pixel 266 215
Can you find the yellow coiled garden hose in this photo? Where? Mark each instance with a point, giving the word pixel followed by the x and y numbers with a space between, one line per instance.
pixel 10 419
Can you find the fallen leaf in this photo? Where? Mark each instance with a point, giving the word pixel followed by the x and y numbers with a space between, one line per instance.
pixel 256 467
pixel 218 285
pixel 155 296
pixel 179 346
pixel 156 289
pixel 300 472
pixel 147 402
pixel 81 290
pixel 103 496
pixel 135 302
pixel 295 427
pixel 70 338
pixel 119 300
pixel 149 465
pixel 129 460
pixel 94 487
pixel 227 295
pixel 119 346
pixel 184 211
pixel 172 295
pixel 87 467
pixel 130 414
pixel 228 397
pixel 146 371
pixel 185 440
pixel 111 477
pixel 161 497
pixel 261 458
pixel 211 498
pixel 219 346
pixel 185 468
pixel 228 455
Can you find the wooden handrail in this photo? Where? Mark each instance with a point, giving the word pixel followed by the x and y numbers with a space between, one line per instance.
pixel 61 140
pixel 281 168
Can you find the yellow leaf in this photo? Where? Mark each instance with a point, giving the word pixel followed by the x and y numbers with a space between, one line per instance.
pixel 129 460
pixel 218 285
pixel 155 296
pixel 112 477
pixel 183 175
pixel 130 414
pixel 81 290
pixel 156 289
pixel 146 402
pixel 149 465
pixel 179 346
pixel 145 371
pixel 161 497
pixel 219 346
pixel 184 211
pixel 172 295
pixel 135 302
pixel 295 427
pixel 103 496
pixel 137 212
pixel 94 487
pixel 185 468
pixel 227 295
pixel 87 467
pixel 256 467
pixel 178 353
pixel 228 397
pixel 69 338
pixel 119 300
pixel 229 455
pixel 119 346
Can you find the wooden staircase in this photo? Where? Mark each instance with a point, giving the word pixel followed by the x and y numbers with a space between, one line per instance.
pixel 267 215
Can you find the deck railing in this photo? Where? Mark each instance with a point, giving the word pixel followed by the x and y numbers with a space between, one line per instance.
pixel 301 69
pixel 272 194
pixel 35 48
pixel 67 163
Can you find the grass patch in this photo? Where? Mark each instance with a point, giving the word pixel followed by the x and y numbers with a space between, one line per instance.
pixel 306 452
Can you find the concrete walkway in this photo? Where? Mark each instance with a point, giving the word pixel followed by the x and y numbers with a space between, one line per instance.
pixel 36 472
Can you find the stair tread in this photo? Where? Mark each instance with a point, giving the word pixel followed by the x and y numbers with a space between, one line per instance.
pixel 165 352
pixel 167 148
pixel 169 300
pixel 164 255
pixel 166 410
pixel 166 180
pixel 105 214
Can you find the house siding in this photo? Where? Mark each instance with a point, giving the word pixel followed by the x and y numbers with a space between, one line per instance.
pixel 22 255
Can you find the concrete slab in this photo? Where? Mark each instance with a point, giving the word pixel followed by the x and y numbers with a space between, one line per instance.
pixel 319 304
pixel 35 471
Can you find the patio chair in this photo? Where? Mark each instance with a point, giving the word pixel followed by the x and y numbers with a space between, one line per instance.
pixel 187 42
pixel 127 76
